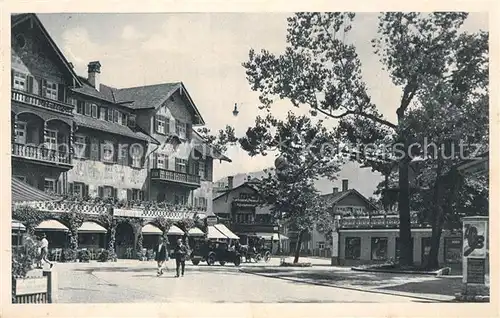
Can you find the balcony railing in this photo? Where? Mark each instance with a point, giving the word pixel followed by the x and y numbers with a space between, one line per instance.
pixel 41 153
pixel 177 213
pixel 174 176
pixel 378 221
pixel 67 207
pixel 42 102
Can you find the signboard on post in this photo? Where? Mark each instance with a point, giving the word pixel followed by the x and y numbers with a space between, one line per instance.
pixel 474 239
pixel 474 253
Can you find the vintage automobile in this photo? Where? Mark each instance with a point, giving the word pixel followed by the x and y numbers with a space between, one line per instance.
pixel 257 254
pixel 212 252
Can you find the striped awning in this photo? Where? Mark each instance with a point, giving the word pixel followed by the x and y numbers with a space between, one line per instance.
pixel 227 232
pixel 21 191
pixel 51 225
pixel 18 226
pixel 174 230
pixel 151 230
pixel 91 227
pixel 195 232
pixel 215 234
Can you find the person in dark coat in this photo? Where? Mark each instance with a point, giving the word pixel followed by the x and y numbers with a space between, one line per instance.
pixel 180 252
pixel 161 255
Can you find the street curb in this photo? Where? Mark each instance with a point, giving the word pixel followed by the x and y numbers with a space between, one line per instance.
pixel 374 270
pixel 400 294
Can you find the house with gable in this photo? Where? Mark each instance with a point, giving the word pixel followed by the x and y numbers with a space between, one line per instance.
pixel 74 135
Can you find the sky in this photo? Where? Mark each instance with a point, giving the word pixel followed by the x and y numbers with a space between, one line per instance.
pixel 205 51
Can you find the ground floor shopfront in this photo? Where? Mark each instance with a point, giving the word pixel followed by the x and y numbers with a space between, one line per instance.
pixel 369 246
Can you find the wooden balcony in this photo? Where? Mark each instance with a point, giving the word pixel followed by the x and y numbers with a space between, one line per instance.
pixel 42 102
pixel 163 175
pixel 42 155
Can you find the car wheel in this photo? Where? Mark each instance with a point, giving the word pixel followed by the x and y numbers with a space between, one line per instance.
pixel 267 257
pixel 222 263
pixel 211 259
pixel 237 261
pixel 258 258
pixel 195 262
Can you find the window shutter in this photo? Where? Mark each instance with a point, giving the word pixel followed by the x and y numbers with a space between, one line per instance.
pixel 129 195
pixel 115 193
pixel 167 125
pixel 61 93
pixel 196 202
pixel 30 84
pixel 86 153
pixel 101 192
pixel 206 171
pixel 71 188
pixel 131 121
pixel 110 115
pixel 155 119
pixel 189 130
pixel 94 149
pixel 141 195
pixel 11 78
pixel 155 160
pixel 85 190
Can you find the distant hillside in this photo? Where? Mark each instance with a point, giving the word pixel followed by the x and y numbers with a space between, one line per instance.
pixel 361 179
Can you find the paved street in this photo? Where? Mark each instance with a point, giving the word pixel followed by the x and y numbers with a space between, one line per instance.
pixel 134 281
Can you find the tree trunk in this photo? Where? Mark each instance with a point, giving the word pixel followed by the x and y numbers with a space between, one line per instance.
pixel 406 246
pixel 297 248
pixel 436 221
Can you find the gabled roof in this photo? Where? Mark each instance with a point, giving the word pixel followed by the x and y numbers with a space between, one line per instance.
pixel 153 96
pixel 23 192
pixel 114 128
pixel 105 93
pixel 16 19
pixel 333 198
pixel 246 184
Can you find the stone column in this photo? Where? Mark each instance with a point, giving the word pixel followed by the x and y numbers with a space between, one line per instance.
pixel 335 241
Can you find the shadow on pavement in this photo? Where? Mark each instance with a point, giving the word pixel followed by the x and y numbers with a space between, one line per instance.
pixel 444 286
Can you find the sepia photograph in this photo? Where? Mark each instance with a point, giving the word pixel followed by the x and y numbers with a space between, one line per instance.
pixel 249 157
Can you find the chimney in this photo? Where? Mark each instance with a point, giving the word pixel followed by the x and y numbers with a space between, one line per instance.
pixel 230 182
pixel 345 185
pixel 94 70
pixel 335 190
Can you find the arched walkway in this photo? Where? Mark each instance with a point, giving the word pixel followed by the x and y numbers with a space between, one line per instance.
pixel 124 240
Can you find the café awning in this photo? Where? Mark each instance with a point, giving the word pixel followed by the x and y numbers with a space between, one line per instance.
pixel 195 232
pixel 273 236
pixel 174 230
pixel 227 232
pixel 51 225
pixel 214 234
pixel 150 229
pixel 17 226
pixel 23 192
pixel 91 227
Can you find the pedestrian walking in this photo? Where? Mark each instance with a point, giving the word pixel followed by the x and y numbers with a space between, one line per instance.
pixel 45 251
pixel 161 255
pixel 180 252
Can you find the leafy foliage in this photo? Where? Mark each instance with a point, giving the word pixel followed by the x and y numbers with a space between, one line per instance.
pixel 163 224
pixel 24 257
pixel 322 70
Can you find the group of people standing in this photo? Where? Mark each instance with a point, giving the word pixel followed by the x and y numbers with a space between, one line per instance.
pixel 181 252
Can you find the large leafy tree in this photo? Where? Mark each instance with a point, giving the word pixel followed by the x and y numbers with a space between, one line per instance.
pixel 306 153
pixel 321 70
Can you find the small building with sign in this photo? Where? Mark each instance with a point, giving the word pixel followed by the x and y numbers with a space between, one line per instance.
pixel 240 208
